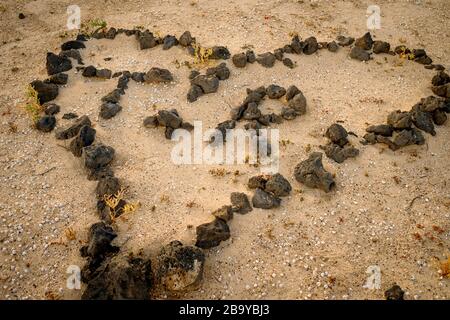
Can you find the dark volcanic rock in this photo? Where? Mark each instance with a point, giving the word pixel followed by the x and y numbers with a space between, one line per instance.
pixel 120 278
pixel 278 185
pixel 439 117
pixel 85 137
pixel 382 129
pixel 310 45
pixel 51 109
pixel 70 115
pixel 275 92
pixel 109 110
pixel 288 63
pixel 219 53
pixel 224 213
pixel 296 46
pixel 157 75
pixel 264 200
pixel 59 78
pixel 210 234
pixel 46 123
pixel 423 121
pixel 46 91
pixel 73 44
pixel 169 118
pixel 169 41
pixel 337 134
pixel 97 156
pixel 278 53
pixel 359 54
pixel 442 91
pixel 312 174
pixel 107 186
pixel 103 74
pixel 430 104
pixel 221 71
pixel 332 46
pixel 113 96
pixel 179 267
pixel 240 60
pixel 90 72
pixel 151 122
pixel 440 79
pixel 99 241
pixel 266 59
pixel 194 93
pixel 240 203
pixel 137 76
pixel 399 120
pixel 146 40
pixel 74 54
pixel 340 154
pixel 291 92
pixel 408 137
pixel 381 47
pixel 365 42
pixel 252 112
pixel 298 104
pixel 186 39
pixel 394 293
pixel 209 84
pixel 288 113
pixel 251 57
pixel 56 64
pixel 344 41
pixel 257 182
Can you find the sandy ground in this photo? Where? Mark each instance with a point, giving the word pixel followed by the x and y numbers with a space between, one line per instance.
pixel 316 245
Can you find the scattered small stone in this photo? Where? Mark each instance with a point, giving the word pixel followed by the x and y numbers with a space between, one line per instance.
pixel 224 213
pixel 381 47
pixel 51 109
pixel 288 63
pixel 70 115
pixel 240 60
pixel 85 137
pixel 344 41
pixel 312 173
pixel 265 200
pixel 275 92
pixel 399 120
pixel 221 71
pixel 332 46
pixel 46 91
pixel 365 42
pixel 219 53
pixel 359 54
pixel 186 39
pixel 337 134
pixel 90 72
pixel 109 109
pixel 179 267
pixel 146 40
pixel 57 64
pixel 394 293
pixel 210 234
pixel 103 74
pixel 208 84
pixel 46 123
pixel 310 45
pixel 97 156
pixel 240 203
pixel 157 75
pixel 59 78
pixel 251 57
pixel 266 59
pixel 169 41
pixel 73 44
